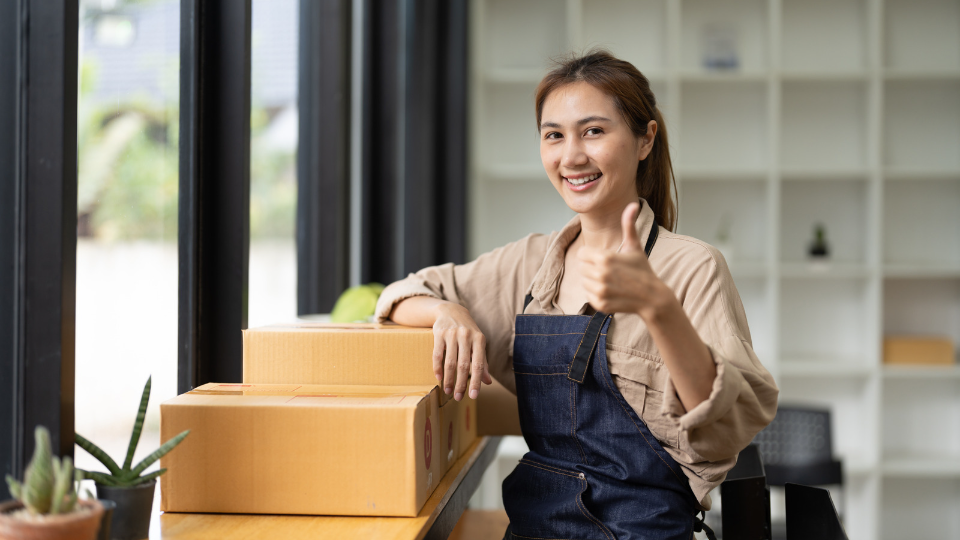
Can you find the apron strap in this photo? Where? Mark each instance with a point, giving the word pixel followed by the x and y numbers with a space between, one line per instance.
pixel 581 360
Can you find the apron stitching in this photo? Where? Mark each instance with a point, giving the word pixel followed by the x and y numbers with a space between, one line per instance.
pixel 538 466
pixel 534 537
pixel 524 373
pixel 607 383
pixel 566 334
pixel 583 510
pixel 573 426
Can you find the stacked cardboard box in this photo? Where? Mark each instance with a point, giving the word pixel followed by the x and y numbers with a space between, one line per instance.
pixel 330 419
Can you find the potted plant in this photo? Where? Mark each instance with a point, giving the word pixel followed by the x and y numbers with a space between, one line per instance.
pixel 127 486
pixel 45 505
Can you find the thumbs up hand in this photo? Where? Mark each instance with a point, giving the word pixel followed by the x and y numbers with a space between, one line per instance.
pixel 623 282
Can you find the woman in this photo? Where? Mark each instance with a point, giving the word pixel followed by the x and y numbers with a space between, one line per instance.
pixel 626 344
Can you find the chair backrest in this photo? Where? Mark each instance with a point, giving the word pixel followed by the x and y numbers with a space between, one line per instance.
pixel 797 436
pixel 811 514
pixel 797 448
pixel 745 497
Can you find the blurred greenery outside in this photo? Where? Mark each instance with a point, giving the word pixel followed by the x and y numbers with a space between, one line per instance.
pixel 128 167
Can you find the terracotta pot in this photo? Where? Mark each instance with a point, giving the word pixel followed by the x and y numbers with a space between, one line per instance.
pixel 73 526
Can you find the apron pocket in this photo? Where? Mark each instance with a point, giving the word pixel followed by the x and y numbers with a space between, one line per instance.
pixel 543 501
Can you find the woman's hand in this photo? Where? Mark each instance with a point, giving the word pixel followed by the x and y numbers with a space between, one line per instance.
pixel 624 282
pixel 459 351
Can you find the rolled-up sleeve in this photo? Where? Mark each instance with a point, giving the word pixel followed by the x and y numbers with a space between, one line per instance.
pixel 743 399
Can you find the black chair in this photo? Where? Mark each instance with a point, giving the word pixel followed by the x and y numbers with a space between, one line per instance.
pixel 797 449
pixel 811 514
pixel 745 499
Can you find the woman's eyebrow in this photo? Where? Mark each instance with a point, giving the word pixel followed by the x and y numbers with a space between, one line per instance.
pixel 580 122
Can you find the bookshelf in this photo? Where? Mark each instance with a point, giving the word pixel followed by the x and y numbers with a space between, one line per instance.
pixel 839 112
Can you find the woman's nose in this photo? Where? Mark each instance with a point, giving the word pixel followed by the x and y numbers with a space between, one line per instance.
pixel 574 153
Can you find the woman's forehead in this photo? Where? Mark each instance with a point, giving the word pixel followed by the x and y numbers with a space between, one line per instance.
pixel 574 101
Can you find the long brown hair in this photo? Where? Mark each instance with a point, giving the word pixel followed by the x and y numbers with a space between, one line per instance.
pixel 631 92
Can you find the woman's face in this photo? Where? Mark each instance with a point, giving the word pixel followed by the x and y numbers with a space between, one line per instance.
pixel 589 151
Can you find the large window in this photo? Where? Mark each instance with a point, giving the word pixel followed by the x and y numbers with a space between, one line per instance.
pixel 127 129
pixel 273 165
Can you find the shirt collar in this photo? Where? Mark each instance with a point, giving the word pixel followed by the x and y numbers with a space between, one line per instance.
pixel 547 281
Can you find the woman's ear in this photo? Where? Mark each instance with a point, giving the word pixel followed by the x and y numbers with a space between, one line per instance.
pixel 646 141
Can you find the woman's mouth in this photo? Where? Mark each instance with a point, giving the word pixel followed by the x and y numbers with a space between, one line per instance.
pixel 583 182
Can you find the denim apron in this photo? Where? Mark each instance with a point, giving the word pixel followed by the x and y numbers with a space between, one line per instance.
pixel 594 470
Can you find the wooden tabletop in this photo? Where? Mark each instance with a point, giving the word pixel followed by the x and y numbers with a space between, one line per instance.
pixel 436 519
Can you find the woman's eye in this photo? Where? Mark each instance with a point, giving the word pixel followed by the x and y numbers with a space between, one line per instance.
pixel 552 135
pixel 594 131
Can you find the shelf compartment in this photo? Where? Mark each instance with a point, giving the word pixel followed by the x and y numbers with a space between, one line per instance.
pixel 510 139
pixel 920 418
pixel 744 20
pixel 841 207
pixel 921 372
pixel 799 367
pixel 824 125
pixel 755 298
pixel 919 509
pixel 922 125
pixel 633 30
pixel 723 126
pixel 922 35
pixel 847 399
pixel 825 320
pixel 827 35
pixel 516 216
pixel 706 206
pixel 922 307
pixel 920 466
pixel 934 240
pixel 824 270
pixel 523 34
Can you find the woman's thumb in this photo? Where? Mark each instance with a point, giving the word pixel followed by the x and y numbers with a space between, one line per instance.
pixel 631 240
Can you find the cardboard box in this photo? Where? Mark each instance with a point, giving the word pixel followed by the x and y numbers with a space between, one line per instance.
pixel 468 423
pixel 449 434
pixel 912 350
pixel 319 353
pixel 302 449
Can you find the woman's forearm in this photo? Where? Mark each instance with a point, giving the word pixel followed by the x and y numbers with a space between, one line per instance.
pixel 685 355
pixel 421 311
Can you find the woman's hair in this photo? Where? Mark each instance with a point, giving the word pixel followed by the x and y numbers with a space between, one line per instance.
pixel 631 92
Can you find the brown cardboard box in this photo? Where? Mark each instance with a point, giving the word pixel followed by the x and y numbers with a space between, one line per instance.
pixel 449 434
pixel 302 449
pixel 468 423
pixel 319 353
pixel 912 350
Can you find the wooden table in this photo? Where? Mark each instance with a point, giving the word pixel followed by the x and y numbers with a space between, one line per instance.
pixel 436 519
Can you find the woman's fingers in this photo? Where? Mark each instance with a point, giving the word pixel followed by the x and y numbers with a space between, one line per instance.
pixel 438 348
pixel 450 362
pixel 464 361
pixel 478 370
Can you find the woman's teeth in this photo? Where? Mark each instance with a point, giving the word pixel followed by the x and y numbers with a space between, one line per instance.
pixel 584 180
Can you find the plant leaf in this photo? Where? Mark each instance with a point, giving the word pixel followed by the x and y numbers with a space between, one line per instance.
pixel 148 477
pixel 101 478
pixel 159 453
pixel 98 453
pixel 15 487
pixel 138 425
pixel 39 479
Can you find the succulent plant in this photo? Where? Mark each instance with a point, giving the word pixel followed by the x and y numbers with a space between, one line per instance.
pixel 47 486
pixel 129 476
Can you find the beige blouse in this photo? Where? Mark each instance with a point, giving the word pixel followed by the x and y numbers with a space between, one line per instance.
pixel 704 441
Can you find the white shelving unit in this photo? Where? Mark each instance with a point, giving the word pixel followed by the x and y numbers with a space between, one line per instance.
pixel 844 113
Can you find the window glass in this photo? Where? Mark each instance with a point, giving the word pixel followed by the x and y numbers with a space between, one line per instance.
pixel 126 319
pixel 273 166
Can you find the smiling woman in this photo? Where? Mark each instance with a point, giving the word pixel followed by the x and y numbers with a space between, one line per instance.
pixel 626 344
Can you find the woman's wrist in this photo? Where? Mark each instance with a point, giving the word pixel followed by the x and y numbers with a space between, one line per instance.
pixel 663 308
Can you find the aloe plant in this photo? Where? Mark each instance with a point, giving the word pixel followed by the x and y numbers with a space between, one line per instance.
pixel 47 487
pixel 128 475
